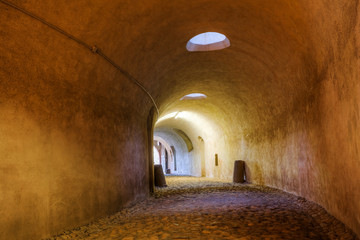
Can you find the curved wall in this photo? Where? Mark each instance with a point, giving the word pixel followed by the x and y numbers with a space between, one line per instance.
pixel 74 139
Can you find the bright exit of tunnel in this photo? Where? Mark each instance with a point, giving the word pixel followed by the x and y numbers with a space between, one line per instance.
pixel 200 144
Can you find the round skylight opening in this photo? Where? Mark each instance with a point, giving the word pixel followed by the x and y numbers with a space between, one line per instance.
pixel 194 96
pixel 208 41
pixel 208 38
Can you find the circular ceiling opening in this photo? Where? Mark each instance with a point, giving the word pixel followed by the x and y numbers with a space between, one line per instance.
pixel 207 41
pixel 193 96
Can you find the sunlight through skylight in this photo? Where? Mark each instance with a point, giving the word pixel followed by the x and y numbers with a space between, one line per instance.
pixel 208 41
pixel 193 96
pixel 208 38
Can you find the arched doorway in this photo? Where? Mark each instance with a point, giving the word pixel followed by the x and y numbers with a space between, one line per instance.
pixel 163 151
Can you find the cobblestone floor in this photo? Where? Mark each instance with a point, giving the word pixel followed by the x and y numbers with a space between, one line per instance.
pixel 199 208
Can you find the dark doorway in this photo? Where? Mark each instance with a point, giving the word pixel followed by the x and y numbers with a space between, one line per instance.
pixel 174 154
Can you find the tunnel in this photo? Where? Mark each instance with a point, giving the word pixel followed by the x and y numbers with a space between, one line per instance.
pixel 87 85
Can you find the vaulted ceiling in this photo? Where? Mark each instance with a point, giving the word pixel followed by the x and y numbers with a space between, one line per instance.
pixel 270 70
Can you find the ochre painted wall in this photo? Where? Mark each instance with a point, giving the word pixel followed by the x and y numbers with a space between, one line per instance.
pixel 72 133
pixel 316 153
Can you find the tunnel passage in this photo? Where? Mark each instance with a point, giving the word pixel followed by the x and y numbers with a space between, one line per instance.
pixel 169 143
pixel 75 138
pixel 202 140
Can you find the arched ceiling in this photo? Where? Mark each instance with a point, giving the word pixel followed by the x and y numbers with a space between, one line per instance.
pixel 266 73
pixel 251 83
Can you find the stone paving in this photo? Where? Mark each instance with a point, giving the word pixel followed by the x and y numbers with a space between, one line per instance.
pixel 199 208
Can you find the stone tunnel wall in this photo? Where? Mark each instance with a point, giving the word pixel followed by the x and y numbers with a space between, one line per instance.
pixel 73 133
pixel 317 154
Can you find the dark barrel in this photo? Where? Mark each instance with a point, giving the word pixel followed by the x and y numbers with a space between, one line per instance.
pixel 159 176
pixel 239 171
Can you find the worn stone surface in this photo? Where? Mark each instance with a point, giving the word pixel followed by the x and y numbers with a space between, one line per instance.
pixel 193 208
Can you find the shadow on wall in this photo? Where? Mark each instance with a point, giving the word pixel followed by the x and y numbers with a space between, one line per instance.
pixel 254 174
